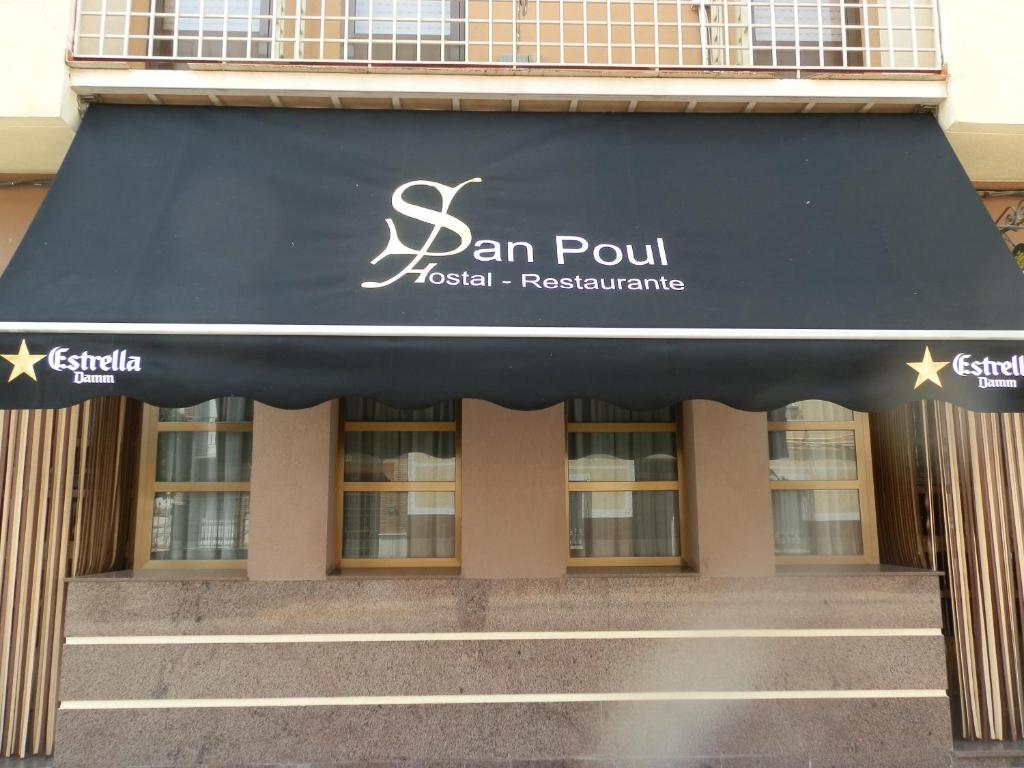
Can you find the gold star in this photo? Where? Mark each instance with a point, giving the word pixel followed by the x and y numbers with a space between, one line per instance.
pixel 927 369
pixel 23 363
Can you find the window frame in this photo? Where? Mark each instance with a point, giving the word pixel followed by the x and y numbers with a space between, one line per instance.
pixel 454 486
pixel 864 485
pixel 148 488
pixel 678 485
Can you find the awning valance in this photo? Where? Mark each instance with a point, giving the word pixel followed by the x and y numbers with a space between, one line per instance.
pixel 295 256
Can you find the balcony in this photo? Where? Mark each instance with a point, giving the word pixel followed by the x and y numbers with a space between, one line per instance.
pixel 796 35
pixel 749 44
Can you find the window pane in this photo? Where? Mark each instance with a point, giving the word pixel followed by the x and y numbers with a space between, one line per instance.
pixel 394 524
pixel 364 409
pixel 811 410
pixel 382 457
pixel 203 457
pixel 598 411
pixel 214 13
pixel 434 17
pixel 817 454
pixel 624 524
pixel 621 456
pixel 221 409
pixel 200 526
pixel 817 523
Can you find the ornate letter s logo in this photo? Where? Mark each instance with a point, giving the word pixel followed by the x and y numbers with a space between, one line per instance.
pixel 438 219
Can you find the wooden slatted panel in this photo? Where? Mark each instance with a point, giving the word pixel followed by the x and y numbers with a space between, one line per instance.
pixel 966 477
pixel 65 497
pixel 901 540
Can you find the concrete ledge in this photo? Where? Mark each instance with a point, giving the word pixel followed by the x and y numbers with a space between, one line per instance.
pixel 451 604
pixel 765 733
pixel 501 666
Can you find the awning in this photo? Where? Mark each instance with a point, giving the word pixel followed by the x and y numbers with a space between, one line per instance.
pixel 295 256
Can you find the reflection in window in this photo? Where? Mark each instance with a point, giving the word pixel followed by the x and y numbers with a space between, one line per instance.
pixel 819 454
pixel 397 525
pixel 200 526
pixel 622 456
pixel 817 522
pixel 194 490
pixel 225 409
pixel 388 457
pixel 811 410
pixel 819 480
pixel 203 457
pixel 399 481
pixel 623 488
pixel 624 523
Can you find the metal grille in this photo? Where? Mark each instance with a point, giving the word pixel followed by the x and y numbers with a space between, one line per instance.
pixel 901 35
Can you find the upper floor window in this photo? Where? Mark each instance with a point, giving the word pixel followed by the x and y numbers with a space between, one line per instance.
pixel 809 34
pixel 194 484
pixel 399 500
pixel 212 28
pixel 407 30
pixel 822 493
pixel 623 485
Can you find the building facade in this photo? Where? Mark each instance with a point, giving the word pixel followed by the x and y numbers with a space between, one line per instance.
pixel 455 582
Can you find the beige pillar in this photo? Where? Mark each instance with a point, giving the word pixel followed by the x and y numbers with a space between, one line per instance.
pixel 294 489
pixel 729 518
pixel 513 492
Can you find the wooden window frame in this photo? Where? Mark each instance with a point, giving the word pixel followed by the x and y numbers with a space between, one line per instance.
pixel 148 488
pixel 445 486
pixel 677 485
pixel 864 485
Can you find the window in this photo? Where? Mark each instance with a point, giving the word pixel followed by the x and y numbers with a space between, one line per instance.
pixel 823 33
pixel 404 18
pixel 407 30
pixel 194 485
pixel 623 485
pixel 205 29
pixel 819 458
pixel 399 500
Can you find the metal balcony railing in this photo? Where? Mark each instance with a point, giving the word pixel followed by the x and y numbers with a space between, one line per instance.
pixel 839 35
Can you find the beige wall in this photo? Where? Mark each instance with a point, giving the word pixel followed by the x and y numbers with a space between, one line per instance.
pixel 18 205
pixel 729 521
pixel 984 114
pixel 38 111
pixel 293 490
pixel 513 492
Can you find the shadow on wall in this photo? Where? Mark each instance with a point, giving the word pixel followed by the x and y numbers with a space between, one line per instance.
pixel 19 201
pixel 1007 210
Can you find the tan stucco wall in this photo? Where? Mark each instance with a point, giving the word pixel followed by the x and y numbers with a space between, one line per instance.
pixel 293 492
pixel 18 205
pixel 729 519
pixel 513 492
pixel 38 110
